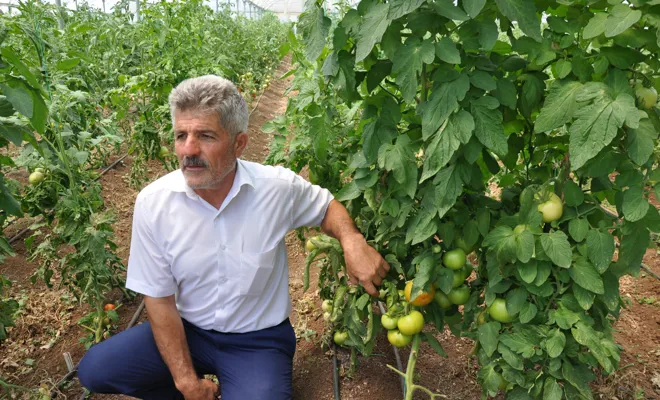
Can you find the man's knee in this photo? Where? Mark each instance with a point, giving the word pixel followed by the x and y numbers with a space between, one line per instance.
pixel 90 370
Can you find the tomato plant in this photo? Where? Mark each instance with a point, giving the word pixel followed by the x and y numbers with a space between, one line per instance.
pixel 418 109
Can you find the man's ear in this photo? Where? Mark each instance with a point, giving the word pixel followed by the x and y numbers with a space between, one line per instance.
pixel 240 143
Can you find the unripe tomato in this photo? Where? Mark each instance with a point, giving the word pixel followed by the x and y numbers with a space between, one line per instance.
pixel 454 259
pixel 436 248
pixel 459 278
pixel 109 307
pixel 442 300
pixel 397 338
pixel 498 311
pixel 412 323
pixel 647 97
pixel 340 337
pixel 551 209
pixel 423 298
pixel 459 295
pixel 39 170
pixel 36 177
pixel 326 305
pixel 310 246
pixel 326 316
pixel 163 152
pixel 389 322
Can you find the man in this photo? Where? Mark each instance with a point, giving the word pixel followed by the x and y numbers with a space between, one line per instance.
pixel 208 254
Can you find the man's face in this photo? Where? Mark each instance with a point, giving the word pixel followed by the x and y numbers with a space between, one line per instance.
pixel 205 150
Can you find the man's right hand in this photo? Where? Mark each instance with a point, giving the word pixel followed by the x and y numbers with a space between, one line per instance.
pixel 202 389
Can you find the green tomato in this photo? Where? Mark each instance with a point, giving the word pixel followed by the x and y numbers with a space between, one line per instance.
pixel 647 97
pixel 551 209
pixel 326 305
pixel 36 177
pixel 412 323
pixel 459 295
pixel 519 229
pixel 454 259
pixel 436 249
pixel 442 300
pixel 310 246
pixel 459 277
pixel 498 311
pixel 389 322
pixel 326 316
pixel 163 152
pixel 397 338
pixel 39 170
pixel 340 337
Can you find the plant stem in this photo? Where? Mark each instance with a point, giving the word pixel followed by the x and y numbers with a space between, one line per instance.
pixel 410 369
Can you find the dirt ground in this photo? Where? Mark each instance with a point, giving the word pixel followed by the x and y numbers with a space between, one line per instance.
pixel 46 327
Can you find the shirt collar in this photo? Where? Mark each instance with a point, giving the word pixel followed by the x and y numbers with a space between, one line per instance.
pixel 242 177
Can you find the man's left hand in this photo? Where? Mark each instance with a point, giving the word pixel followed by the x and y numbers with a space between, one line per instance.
pixel 363 263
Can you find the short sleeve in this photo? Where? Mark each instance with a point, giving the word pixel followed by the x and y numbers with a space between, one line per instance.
pixel 148 271
pixel 309 203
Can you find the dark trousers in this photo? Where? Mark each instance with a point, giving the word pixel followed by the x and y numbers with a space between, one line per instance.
pixel 254 365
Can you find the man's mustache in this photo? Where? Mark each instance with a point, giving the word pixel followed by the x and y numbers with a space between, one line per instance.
pixel 194 162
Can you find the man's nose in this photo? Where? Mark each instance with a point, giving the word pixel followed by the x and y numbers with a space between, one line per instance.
pixel 190 147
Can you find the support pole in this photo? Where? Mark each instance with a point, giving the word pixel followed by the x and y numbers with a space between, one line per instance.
pixel 137 10
pixel 60 20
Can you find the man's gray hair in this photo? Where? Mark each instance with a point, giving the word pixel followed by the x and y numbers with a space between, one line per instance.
pixel 212 94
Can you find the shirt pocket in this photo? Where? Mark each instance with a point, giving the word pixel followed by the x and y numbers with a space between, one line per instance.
pixel 256 270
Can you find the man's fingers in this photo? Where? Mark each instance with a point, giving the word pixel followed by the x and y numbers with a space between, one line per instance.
pixel 382 272
pixel 377 280
pixel 370 288
pixel 353 280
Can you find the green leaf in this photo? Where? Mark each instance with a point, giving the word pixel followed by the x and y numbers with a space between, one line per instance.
pixel 557 247
pixel 527 312
pixel 448 186
pixel 584 297
pixel 525 245
pixel 564 317
pixel 374 135
pixel 611 298
pixel 519 343
pixel 555 343
pixel 524 12
pixel 513 359
pixel 399 8
pixel 527 271
pixel 563 68
pixel 640 142
pixel 473 7
pixel 488 124
pixel 350 191
pixel 19 95
pixel 489 378
pixel 488 34
pixel 12 58
pixel 67 64
pixel 483 80
pixel 503 240
pixel 441 104
pixel 579 377
pixel 377 73
pixel 573 195
pixel 447 9
pixel 578 229
pixel 433 342
pixel 408 64
pixel 371 30
pixel 446 50
pixel 515 300
pixel 559 106
pixel 552 390
pixel 400 159
pixel 506 93
pixel 597 125
pixel 331 65
pixel 621 17
pixel 600 249
pixel 596 26
pixel 488 335
pixel 633 246
pixel 635 206
pixel 315 27
pixel 585 274
pixel 446 142
pixel 622 57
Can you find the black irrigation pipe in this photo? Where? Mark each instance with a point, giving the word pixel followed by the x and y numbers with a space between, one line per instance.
pixel 399 364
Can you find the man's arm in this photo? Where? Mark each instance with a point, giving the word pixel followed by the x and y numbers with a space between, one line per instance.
pixel 170 338
pixel 363 263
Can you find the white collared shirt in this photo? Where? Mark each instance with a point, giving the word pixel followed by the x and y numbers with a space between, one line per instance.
pixel 227 267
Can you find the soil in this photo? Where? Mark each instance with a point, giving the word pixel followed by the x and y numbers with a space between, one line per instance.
pixel 46 327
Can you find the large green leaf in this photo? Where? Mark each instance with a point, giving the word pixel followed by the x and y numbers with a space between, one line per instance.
pixel 10 56
pixel 634 241
pixel 523 11
pixel 19 95
pixel 315 27
pixel 448 186
pixel 597 125
pixel 458 130
pixel 596 26
pixel 441 103
pixel 473 7
pixel 399 8
pixel 400 159
pixel 555 343
pixel 488 335
pixel 621 18
pixel 371 30
pixel 559 106
pixel 635 205
pixel 586 275
pixel 578 229
pixel 640 142
pixel 408 64
pixel 557 247
pixel 552 390
pixel 488 124
pixel 447 9
pixel 446 50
